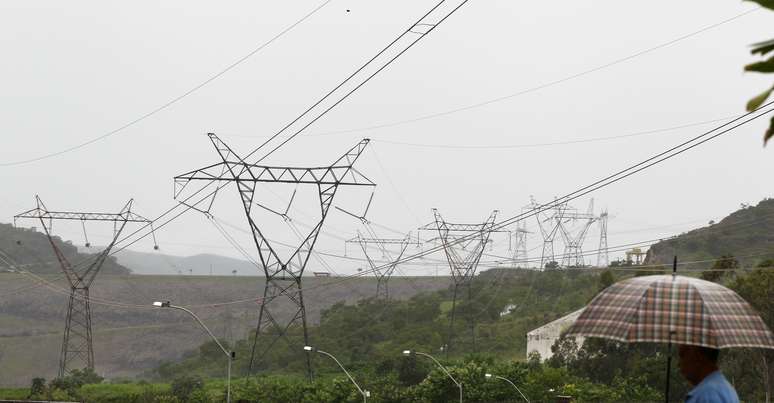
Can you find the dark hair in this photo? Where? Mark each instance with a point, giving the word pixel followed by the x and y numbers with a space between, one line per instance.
pixel 710 353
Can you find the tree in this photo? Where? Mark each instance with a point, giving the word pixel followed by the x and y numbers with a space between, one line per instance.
pixel 565 352
pixel 606 279
pixel 755 365
pixel 725 263
pixel 184 386
pixel 38 387
pixel 762 66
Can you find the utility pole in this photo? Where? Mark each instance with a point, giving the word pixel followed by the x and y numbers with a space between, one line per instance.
pixel 77 346
pixel 468 237
pixel 283 275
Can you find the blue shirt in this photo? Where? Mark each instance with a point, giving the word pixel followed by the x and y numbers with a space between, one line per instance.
pixel 713 389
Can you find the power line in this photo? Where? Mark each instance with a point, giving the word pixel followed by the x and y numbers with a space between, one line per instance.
pixel 173 100
pixel 606 181
pixel 617 176
pixel 425 26
pixel 546 84
pixel 556 143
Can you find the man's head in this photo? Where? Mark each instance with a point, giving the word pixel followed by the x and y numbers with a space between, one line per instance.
pixel 697 362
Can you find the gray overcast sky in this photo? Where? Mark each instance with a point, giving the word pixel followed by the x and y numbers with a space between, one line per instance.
pixel 72 71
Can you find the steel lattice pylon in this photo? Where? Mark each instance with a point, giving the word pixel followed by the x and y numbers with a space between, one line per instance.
pixel 603 259
pixel 518 244
pixel 77 345
pixel 382 272
pixel 549 224
pixel 470 237
pixel 573 241
pixel 283 276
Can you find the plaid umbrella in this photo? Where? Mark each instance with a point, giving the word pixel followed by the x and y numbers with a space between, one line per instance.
pixel 673 309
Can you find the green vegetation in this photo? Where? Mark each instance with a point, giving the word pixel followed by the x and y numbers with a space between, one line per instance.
pixel 747 233
pixel 369 336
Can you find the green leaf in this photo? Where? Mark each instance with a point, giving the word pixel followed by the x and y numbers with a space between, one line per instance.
pixel 762 47
pixel 754 103
pixel 765 3
pixel 769 133
pixel 766 66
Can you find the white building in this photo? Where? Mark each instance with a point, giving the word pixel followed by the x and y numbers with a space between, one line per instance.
pixel 542 338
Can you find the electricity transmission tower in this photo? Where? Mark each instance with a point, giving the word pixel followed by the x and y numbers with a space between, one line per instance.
pixel 77 346
pixel 283 276
pixel 603 257
pixel 382 272
pixel 471 238
pixel 549 221
pixel 518 244
pixel 573 239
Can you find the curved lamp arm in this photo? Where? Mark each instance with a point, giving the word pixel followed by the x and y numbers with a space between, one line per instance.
pixel 512 384
pixel 215 339
pixel 459 385
pixel 359 389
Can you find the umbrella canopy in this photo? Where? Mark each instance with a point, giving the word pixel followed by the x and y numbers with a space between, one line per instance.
pixel 673 309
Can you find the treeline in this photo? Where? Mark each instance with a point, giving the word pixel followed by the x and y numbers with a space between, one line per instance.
pixel 504 305
pixel 745 233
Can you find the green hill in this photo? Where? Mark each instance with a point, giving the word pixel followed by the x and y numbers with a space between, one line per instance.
pixel 32 251
pixel 747 234
pixel 505 305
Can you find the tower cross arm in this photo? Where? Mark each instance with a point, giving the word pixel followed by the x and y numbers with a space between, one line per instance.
pixel 73 215
pixel 235 169
pixel 333 175
pixel 383 241
pixel 460 227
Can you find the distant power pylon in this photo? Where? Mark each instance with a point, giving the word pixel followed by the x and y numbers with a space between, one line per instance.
pixel 549 221
pixel 472 238
pixel 383 272
pixel 518 244
pixel 283 276
pixel 603 257
pixel 77 346
pixel 575 237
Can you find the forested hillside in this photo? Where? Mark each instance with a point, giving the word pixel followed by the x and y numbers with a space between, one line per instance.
pixel 32 251
pixel 747 234
pixel 505 305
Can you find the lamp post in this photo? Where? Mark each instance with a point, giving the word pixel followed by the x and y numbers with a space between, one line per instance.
pixel 489 376
pixel 229 355
pixel 446 371
pixel 366 394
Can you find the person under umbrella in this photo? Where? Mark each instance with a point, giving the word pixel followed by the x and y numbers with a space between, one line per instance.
pixel 699 365
pixel 698 315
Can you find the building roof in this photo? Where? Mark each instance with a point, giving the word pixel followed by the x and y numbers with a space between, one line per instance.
pixel 561 323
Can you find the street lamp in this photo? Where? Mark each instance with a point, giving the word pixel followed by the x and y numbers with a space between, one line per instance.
pixel 446 371
pixel 490 376
pixel 366 394
pixel 230 355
